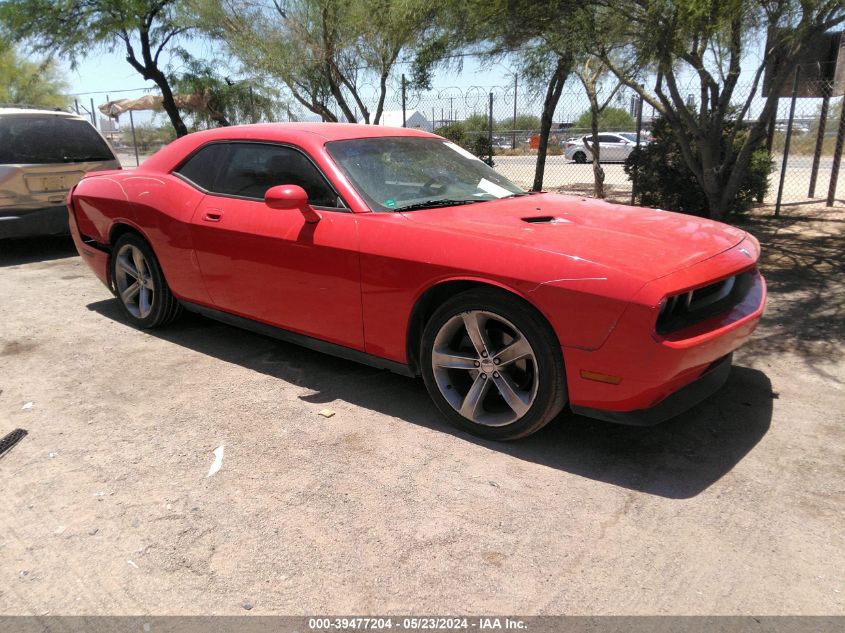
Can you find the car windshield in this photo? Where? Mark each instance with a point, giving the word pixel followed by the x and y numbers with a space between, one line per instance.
pixel 50 139
pixel 403 173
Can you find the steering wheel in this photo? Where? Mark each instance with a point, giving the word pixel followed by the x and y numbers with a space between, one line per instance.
pixel 429 188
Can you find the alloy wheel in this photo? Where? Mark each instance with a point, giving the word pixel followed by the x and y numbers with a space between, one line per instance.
pixel 485 368
pixel 134 281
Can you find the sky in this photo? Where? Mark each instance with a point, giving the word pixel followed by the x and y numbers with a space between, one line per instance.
pixel 105 75
pixel 108 76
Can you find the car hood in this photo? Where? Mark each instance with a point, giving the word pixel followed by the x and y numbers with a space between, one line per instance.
pixel 648 243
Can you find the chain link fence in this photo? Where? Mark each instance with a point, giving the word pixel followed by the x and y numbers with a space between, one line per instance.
pixel 502 124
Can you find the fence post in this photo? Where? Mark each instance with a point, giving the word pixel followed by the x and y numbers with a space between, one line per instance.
pixel 788 139
pixel 837 157
pixel 404 120
pixel 490 131
pixel 817 153
pixel 134 140
pixel 251 105
pixel 76 105
pixel 93 115
pixel 513 140
pixel 637 148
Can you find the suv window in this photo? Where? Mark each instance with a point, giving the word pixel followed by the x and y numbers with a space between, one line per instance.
pixel 252 168
pixel 46 139
pixel 201 168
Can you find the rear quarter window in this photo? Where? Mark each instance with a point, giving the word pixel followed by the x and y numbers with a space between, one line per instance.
pixel 202 167
pixel 50 139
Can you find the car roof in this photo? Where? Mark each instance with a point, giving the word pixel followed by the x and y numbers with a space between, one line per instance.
pixel 15 111
pixel 309 136
pixel 328 131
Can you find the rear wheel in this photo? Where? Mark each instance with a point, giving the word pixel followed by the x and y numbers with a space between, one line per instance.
pixel 579 157
pixel 141 289
pixel 493 365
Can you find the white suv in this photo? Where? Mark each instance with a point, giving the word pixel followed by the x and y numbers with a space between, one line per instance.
pixel 43 154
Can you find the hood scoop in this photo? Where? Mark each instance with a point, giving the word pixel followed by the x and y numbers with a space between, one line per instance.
pixel 545 219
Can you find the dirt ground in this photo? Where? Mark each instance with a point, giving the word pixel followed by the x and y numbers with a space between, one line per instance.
pixel 736 507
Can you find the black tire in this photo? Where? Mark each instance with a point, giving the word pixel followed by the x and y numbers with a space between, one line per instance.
pixel 579 157
pixel 549 392
pixel 163 307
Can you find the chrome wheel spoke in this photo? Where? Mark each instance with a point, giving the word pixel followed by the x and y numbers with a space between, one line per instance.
pixel 453 360
pixel 511 395
pixel 500 354
pixel 472 401
pixel 127 267
pixel 130 292
pixel 140 264
pixel 144 301
pixel 475 330
pixel 515 351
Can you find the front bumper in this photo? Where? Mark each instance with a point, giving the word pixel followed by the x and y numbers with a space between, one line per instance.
pixel 34 222
pixel 652 377
pixel 685 398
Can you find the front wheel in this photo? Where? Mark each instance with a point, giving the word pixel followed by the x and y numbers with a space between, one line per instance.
pixel 492 365
pixel 139 283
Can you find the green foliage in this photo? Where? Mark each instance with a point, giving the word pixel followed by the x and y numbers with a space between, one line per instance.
pixel 74 29
pixel 477 122
pixel 229 102
pixel 148 136
pixel 455 132
pixel 30 83
pixel 524 122
pixel 664 179
pixel 324 51
pixel 610 119
pixel 475 141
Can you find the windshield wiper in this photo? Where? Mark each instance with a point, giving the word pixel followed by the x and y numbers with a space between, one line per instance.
pixel 430 204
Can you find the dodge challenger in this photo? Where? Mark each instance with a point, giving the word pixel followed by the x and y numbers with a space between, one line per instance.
pixel 399 249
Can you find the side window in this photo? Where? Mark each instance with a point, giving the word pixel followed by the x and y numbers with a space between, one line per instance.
pixel 252 168
pixel 607 138
pixel 202 167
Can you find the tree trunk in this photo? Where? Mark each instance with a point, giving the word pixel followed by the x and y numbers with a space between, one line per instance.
pixel 169 103
pixel 553 92
pixel 598 172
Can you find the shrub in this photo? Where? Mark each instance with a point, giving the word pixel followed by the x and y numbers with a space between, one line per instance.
pixel 610 120
pixel 665 181
pixel 474 142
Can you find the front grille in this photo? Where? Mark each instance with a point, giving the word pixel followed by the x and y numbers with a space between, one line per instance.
pixel 683 310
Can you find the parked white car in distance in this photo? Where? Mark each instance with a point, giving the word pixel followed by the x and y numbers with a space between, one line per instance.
pixel 613 147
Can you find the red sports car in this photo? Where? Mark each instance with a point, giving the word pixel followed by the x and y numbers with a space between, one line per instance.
pixel 401 250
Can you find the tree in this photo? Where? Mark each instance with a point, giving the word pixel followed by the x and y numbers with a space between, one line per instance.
pixel 590 72
pixel 706 41
pixel 322 50
pixel 547 48
pixel 610 119
pixel 229 102
pixel 524 122
pixel 73 29
pixel 664 180
pixel 30 83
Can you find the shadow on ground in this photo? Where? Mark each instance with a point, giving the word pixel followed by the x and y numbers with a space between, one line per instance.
pixel 678 459
pixel 35 249
pixel 803 260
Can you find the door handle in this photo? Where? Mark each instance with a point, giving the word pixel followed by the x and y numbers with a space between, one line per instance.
pixel 213 215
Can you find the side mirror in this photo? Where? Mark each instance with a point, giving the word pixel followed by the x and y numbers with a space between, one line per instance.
pixel 285 197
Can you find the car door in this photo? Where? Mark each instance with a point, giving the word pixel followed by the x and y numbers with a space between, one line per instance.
pixel 611 147
pixel 271 265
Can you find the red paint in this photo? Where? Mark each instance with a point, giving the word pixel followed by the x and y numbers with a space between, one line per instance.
pixel 597 273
